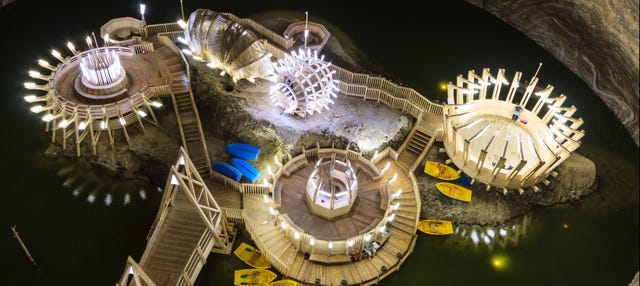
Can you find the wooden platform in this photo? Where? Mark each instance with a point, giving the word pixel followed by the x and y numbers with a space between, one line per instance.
pixel 284 256
pixel 366 212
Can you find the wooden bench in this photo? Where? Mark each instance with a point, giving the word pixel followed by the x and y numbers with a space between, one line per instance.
pixel 333 258
pixel 294 167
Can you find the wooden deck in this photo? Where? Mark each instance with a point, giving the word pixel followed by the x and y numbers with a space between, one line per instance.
pixel 367 211
pixel 284 256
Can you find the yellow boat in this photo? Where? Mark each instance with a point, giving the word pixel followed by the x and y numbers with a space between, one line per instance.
pixel 440 171
pixel 435 226
pixel 454 191
pixel 252 256
pixel 253 276
pixel 285 282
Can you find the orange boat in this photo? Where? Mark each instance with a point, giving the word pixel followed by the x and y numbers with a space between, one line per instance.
pixel 440 171
pixel 454 191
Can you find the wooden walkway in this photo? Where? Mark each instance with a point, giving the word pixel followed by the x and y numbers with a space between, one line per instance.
pixel 186 111
pixel 394 250
pixel 166 256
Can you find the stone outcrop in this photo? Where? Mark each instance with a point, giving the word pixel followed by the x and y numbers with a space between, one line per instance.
pixel 597 40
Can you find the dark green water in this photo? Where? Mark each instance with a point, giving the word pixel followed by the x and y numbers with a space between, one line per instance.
pixel 78 243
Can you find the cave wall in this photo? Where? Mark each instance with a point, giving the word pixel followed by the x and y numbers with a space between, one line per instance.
pixel 597 40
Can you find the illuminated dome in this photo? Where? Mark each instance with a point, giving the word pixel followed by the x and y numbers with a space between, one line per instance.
pixel 305 83
pixel 512 139
pixel 332 188
pixel 102 75
pixel 227 45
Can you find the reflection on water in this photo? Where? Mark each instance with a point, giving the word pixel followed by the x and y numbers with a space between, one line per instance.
pixel 493 237
pixel 97 185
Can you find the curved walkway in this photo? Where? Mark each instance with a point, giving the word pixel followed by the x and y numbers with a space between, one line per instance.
pixel 395 247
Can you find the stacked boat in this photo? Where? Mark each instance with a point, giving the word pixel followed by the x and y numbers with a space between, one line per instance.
pixel 240 154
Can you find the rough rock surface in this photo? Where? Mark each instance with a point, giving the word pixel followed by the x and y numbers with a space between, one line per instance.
pixel 597 40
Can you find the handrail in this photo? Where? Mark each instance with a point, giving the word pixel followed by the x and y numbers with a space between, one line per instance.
pixel 204 245
pixel 296 235
pixel 274 260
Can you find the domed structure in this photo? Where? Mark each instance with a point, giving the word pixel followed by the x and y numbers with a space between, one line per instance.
pixel 508 140
pixel 332 188
pixel 227 45
pixel 305 83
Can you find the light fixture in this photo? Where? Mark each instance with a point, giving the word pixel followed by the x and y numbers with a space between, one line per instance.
pixel 64 123
pixel 141 113
pixel 181 23
pixel 57 55
pixel 174 180
pixel 47 117
pixel 142 10
pixel 83 125
pixel 72 48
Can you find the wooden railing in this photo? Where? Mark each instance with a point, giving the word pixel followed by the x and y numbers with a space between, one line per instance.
pixel 262 31
pixel 340 247
pixel 382 90
pixel 142 48
pixel 197 259
pixel 274 260
pixel 234 215
pixel 241 187
pixel 155 29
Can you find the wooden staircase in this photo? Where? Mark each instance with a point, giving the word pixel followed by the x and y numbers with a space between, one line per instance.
pixel 186 111
pixel 175 240
pixel 414 148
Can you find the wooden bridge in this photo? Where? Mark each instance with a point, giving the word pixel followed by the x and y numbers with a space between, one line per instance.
pixel 188 226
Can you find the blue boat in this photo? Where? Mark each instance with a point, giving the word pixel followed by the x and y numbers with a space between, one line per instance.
pixel 243 151
pixel 227 170
pixel 248 171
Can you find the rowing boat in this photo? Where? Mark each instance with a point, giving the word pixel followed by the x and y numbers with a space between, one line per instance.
pixel 454 191
pixel 285 282
pixel 248 171
pixel 253 276
pixel 435 226
pixel 440 171
pixel 251 256
pixel 243 151
pixel 227 170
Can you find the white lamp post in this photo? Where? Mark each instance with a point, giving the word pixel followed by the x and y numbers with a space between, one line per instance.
pixel 142 9
pixel 93 35
pixel 306 28
pixel 181 9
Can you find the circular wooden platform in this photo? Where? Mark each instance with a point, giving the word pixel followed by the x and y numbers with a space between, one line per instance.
pixel 366 213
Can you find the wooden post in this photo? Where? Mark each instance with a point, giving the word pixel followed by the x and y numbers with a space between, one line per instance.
pixel 24 247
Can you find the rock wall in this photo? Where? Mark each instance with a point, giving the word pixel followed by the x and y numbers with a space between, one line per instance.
pixel 597 40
